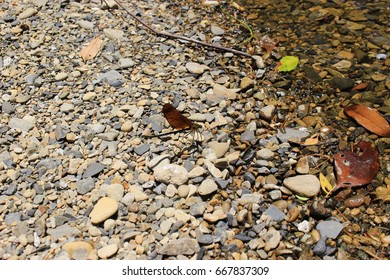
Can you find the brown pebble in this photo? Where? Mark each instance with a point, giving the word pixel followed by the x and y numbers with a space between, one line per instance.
pixel 315 235
pixel 354 201
pixel 346 238
pixel 292 214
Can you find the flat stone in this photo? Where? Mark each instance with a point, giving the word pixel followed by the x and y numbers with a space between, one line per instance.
pixel 85 185
pixel 303 185
pixel 246 83
pixel 250 198
pixel 115 191
pixel 275 213
pixel 171 174
pixel 85 24
pixel 158 161
pixel 104 209
pixel 93 169
pixel 27 13
pixel 197 171
pixel 225 92
pixel 126 63
pixel 265 153
pixel 342 83
pixel 107 251
pixel 292 134
pixel 61 76
pixel 330 229
pixel 272 239
pixel 7 108
pixel 113 78
pixel 217 30
pixel 205 239
pixel 303 166
pixel 207 187
pixel 113 34
pixel 215 216
pixel 139 195
pixel 181 246
pixel 220 149
pixel 63 231
pixel 24 124
pixel 78 250
pixel 195 68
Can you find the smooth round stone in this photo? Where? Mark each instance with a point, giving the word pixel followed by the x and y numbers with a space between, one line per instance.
pixel 61 76
pixel 78 249
pixel 170 191
pixel 195 68
pixel 183 191
pixel 303 185
pixel 207 187
pixel 127 126
pixel 171 174
pixel 85 24
pixel 216 30
pixel 109 224
pixel 220 149
pixel 108 251
pixel 104 208
pixel 89 96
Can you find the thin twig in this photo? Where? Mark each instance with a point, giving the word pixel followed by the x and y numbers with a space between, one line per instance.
pixel 179 37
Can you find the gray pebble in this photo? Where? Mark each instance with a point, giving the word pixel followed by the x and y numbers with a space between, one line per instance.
pixel 275 213
pixel 292 134
pixel 330 229
pixel 113 78
pixel 140 150
pixel 205 239
pixel 92 170
pixel 85 185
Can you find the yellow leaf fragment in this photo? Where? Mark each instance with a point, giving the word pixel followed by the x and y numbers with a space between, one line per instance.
pixel 313 140
pixel 92 49
pixel 325 185
pixel 302 197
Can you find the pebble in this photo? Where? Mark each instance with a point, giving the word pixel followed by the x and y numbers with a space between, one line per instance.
pixel 127 126
pixel 171 174
pixel 197 171
pixel 104 209
pixel 303 166
pixel 108 251
pixel 84 186
pixel 207 187
pixel 113 78
pixel 265 154
pixel 342 83
pixel 61 76
pixel 303 185
pixel 115 191
pixel 93 170
pixel 217 30
pixel 165 226
pixel 126 63
pixel 139 195
pixel 78 250
pixel 329 229
pixel 215 216
pixel 275 213
pixel 220 149
pixel 195 68
pixel 292 134
pixel 183 191
pixel 24 124
pixel 272 239
pixel 113 34
pixel 89 96
pixel 181 246
pixel 29 12
pixel 267 112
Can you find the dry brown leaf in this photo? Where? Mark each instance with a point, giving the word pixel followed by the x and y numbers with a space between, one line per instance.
pixel 313 140
pixel 383 193
pixel 369 118
pixel 92 49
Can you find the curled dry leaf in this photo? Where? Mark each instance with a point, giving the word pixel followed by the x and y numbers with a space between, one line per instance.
pixel 369 118
pixel 91 50
pixel 358 167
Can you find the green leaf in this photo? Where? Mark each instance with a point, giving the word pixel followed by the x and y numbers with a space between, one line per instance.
pixel 288 63
pixel 301 197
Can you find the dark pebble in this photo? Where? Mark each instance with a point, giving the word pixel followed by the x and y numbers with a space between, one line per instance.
pixel 205 239
pixel 243 238
pixel 318 211
pixel 140 150
pixel 311 74
pixel 354 201
pixel 320 248
pixel 342 83
pixel 275 213
pixel 94 169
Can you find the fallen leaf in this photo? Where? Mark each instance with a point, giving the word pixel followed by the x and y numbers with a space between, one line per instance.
pixel 383 193
pixel 325 185
pixel 288 63
pixel 91 50
pixel 313 140
pixel 358 167
pixel 369 118
pixel 302 198
pixel 360 86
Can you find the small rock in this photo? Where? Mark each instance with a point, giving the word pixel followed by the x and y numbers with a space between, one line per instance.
pixel 246 83
pixel 126 63
pixel 181 246
pixel 303 185
pixel 195 68
pixel 27 13
pixel 115 191
pixel 107 251
pixel 85 24
pixel 61 76
pixel 303 166
pixel 113 78
pixel 272 239
pixel 165 226
pixel 217 30
pixel 104 208
pixel 342 83
pixel 220 149
pixel 183 191
pixel 139 195
pixel 197 171
pixel 127 126
pixel 265 154
pixel 207 187
pixel 7 107
pixel 78 250
pixel 215 216
pixel 291 134
pixel 24 124
pixel 329 229
pixel 205 239
pixel 85 185
pixel 275 213
pixel 267 112
pixel 89 96
pixel 171 174
pixel 93 169
pixel 113 34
